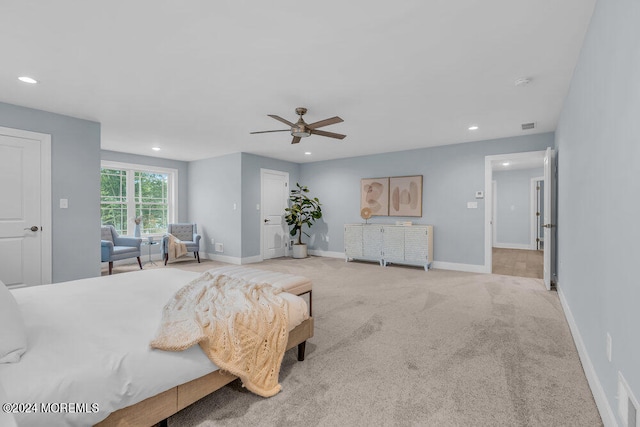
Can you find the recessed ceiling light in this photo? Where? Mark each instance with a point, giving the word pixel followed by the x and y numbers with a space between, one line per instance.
pixel 26 79
pixel 474 127
pixel 307 153
pixel 505 164
pixel 155 148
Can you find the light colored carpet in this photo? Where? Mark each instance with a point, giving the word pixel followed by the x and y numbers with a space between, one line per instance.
pixel 400 346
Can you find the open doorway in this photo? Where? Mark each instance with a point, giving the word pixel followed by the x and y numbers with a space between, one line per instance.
pixel 514 241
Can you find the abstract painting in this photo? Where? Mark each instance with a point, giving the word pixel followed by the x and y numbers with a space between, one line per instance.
pixel 405 195
pixel 374 194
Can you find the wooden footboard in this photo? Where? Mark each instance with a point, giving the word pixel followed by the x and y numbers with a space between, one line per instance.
pixel 161 406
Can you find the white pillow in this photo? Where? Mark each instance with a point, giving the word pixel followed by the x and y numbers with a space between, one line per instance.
pixel 13 333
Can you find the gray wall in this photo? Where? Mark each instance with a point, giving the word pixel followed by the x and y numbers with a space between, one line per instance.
pixel 251 192
pixel 214 186
pixel 183 176
pixel 451 176
pixel 75 175
pixel 513 206
pixel 598 187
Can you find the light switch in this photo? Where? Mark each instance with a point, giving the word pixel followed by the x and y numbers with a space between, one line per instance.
pixel 64 203
pixel 258 207
pixel 472 205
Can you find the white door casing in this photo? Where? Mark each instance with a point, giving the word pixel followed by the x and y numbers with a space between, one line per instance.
pixel 549 215
pixel 25 203
pixel 274 196
pixel 534 219
pixel 489 207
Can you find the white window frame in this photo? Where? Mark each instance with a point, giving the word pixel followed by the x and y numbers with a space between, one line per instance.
pixel 131 168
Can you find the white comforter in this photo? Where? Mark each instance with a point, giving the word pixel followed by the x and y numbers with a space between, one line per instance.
pixel 88 343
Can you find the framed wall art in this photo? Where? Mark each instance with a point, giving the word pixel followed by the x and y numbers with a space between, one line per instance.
pixel 405 195
pixel 374 194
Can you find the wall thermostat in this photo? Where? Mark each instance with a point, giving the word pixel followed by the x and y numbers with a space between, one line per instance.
pixel 479 195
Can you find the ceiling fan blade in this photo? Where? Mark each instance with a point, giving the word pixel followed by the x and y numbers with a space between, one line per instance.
pixel 280 119
pixel 267 131
pixel 296 139
pixel 329 134
pixel 325 122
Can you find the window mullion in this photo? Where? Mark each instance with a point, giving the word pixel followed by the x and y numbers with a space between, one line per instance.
pixel 131 201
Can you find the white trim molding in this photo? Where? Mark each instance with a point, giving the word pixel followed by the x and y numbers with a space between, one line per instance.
pixel 488 205
pixel 232 259
pixel 469 268
pixel 223 258
pixel 512 246
pixel 606 412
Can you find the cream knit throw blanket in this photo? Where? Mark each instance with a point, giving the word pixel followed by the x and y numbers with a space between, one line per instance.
pixel 242 327
pixel 176 248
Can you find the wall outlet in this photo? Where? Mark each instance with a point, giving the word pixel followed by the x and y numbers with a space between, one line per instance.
pixel 609 347
pixel 219 247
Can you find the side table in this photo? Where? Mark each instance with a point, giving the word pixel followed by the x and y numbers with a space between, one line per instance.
pixel 149 244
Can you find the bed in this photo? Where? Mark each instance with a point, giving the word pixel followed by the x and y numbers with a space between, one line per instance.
pixel 88 344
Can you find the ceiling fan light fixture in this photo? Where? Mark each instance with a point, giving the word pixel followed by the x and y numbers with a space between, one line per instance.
pixel 300 131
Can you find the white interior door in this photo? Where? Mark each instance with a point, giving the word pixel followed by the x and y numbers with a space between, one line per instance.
pixel 549 215
pixel 24 256
pixel 275 193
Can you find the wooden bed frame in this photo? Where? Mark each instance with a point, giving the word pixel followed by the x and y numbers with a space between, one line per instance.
pixel 161 406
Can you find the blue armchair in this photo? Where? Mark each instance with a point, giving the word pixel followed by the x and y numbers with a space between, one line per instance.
pixel 188 234
pixel 115 247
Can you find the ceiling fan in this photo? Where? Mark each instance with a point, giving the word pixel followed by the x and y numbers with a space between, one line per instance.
pixel 300 129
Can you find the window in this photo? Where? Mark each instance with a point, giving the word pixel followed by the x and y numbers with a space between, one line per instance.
pixel 129 191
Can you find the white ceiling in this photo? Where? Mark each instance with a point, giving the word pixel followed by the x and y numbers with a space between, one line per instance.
pixel 195 77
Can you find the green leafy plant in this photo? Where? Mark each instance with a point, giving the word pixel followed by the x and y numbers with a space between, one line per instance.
pixel 303 210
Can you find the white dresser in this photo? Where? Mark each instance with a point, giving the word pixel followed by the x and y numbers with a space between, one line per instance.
pixel 398 244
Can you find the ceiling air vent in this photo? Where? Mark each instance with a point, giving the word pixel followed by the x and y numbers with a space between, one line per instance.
pixel 527 126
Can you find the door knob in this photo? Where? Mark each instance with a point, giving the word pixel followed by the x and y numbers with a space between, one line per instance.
pixel 266 220
pixel 33 228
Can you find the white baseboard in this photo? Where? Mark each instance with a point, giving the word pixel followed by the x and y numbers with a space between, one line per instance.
pixel 606 412
pixel 511 246
pixel 251 259
pixel 469 268
pixel 224 258
pixel 232 259
pixel 328 254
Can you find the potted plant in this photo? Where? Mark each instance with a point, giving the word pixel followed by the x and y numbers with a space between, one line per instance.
pixel 303 210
